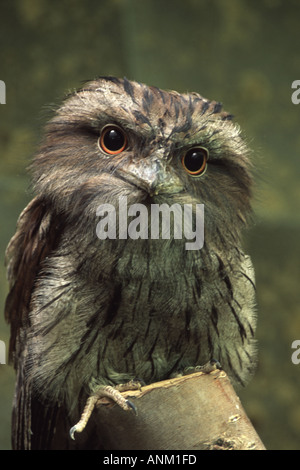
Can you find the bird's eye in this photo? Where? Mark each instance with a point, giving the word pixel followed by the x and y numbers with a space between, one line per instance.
pixel 112 140
pixel 195 160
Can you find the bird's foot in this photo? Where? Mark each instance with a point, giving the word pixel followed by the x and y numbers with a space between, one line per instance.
pixel 114 393
pixel 207 368
pixel 131 385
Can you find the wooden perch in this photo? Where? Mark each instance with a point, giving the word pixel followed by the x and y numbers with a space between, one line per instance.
pixel 193 412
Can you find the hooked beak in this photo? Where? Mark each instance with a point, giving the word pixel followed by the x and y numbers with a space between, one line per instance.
pixel 153 176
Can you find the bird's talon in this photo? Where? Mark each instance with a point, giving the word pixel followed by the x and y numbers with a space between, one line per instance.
pixel 216 364
pixel 103 391
pixel 140 382
pixel 72 432
pixel 207 368
pixel 132 406
pixel 131 385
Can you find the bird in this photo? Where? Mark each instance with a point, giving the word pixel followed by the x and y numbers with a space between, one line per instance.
pixel 91 313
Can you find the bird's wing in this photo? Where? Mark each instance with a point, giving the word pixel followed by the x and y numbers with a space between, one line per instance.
pixel 37 234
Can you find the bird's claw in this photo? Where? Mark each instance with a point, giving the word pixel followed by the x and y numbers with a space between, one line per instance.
pixel 72 432
pixel 132 406
pixel 207 368
pixel 104 391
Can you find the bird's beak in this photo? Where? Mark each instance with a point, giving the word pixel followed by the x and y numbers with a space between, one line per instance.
pixel 153 175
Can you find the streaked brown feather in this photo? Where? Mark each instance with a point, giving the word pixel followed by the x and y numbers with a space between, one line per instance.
pixel 36 236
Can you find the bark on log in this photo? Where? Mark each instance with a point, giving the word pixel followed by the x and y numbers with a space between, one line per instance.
pixel 193 412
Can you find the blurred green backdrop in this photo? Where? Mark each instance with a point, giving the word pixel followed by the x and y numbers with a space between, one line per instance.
pixel 244 53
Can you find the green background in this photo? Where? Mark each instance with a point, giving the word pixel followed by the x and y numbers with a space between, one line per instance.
pixel 245 53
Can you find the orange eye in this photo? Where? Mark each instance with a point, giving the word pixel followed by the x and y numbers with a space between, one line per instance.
pixel 195 160
pixel 112 140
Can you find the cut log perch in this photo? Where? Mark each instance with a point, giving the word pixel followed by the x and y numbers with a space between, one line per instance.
pixel 192 412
